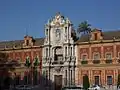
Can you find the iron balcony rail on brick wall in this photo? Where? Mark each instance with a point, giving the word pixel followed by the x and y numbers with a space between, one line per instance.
pixel 108 61
pixel 84 62
pixel 96 61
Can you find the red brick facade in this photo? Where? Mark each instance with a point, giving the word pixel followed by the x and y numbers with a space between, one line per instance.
pixel 103 69
pixel 22 51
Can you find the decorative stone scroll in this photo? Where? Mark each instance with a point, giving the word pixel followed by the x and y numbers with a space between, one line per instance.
pixel 84 72
pixel 96 72
pixel 57 69
pixel 109 72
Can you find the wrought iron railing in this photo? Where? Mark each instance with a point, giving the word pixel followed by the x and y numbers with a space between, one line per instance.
pixel 96 61
pixel 108 61
pixel 84 62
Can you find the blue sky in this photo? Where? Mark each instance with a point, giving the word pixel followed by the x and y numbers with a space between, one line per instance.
pixel 18 15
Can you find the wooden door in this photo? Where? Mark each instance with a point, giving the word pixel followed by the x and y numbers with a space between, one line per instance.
pixel 58 82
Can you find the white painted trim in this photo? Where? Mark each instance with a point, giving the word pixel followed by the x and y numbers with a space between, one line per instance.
pixel 108 53
pixel 94 53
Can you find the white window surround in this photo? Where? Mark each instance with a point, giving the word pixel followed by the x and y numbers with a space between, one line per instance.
pixel 118 55
pixel 108 57
pixel 96 56
pixel 46 52
pixel 84 57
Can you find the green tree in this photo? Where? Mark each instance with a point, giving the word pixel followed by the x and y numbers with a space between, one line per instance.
pixel 27 64
pixel 86 83
pixel 118 82
pixel 84 27
pixel 36 61
pixel 35 72
pixel 6 66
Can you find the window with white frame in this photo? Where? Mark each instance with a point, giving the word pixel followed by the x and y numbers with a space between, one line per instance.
pixel 108 56
pixel 84 57
pixel 109 80
pixel 65 51
pixel 46 32
pixel 71 51
pixel 96 56
pixel 46 52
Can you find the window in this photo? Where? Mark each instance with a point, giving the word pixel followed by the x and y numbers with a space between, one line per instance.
pixel 109 80
pixel 46 52
pixel 65 30
pixel 96 80
pixel 46 32
pixel 71 77
pixel 95 36
pixel 96 56
pixel 65 77
pixel 84 57
pixel 71 51
pixel 27 42
pixel 108 56
pixel 65 51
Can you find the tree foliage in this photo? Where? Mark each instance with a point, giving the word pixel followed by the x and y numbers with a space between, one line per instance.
pixel 86 83
pixel 118 82
pixel 84 27
pixel 6 66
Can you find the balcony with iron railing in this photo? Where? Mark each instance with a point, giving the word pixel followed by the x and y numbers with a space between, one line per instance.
pixel 96 61
pixel 118 60
pixel 84 62
pixel 108 61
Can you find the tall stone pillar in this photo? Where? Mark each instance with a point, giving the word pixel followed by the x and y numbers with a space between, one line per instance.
pixel 90 54
pixel 114 51
pixel 102 55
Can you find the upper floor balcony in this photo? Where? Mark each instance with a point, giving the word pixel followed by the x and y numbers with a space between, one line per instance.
pixel 100 61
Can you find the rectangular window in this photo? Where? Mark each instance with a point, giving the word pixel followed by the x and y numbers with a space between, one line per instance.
pixel 96 80
pixel 46 52
pixel 109 80
pixel 96 56
pixel 95 36
pixel 71 77
pixel 71 51
pixel 27 42
pixel 65 30
pixel 46 32
pixel 65 51
pixel 108 56
pixel 84 57
pixel 65 77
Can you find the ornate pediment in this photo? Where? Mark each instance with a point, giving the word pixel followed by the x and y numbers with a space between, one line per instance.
pixel 58 20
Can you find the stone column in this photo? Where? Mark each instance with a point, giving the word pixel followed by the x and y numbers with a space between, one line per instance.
pixel 114 51
pixel 102 77
pixel 115 76
pixel 89 75
pixel 79 77
pixel 69 76
pixel 90 59
pixel 92 76
pixel 102 55
pixel 73 75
